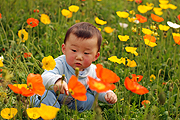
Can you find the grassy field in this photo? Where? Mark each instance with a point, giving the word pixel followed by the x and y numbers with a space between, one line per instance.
pixel 158 62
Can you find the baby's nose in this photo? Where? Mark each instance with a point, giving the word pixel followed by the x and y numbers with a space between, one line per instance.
pixel 79 57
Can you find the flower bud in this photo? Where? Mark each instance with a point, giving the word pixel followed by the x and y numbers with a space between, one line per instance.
pixel 162 98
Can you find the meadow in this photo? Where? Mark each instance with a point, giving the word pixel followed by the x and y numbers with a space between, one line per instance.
pixel 140 38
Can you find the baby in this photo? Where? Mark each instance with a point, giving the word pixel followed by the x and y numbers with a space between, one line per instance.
pixel 80 48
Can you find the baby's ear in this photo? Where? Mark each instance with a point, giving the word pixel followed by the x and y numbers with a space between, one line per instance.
pixel 63 48
pixel 96 56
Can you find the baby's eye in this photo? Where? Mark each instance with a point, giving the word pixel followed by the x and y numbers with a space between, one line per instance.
pixel 86 53
pixel 73 50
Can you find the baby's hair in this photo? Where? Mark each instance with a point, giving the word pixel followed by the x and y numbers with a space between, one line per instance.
pixel 84 30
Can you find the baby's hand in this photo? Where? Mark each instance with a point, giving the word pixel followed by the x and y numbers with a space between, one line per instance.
pixel 61 86
pixel 111 97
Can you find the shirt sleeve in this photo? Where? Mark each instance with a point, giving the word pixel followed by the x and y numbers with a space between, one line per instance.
pixel 51 76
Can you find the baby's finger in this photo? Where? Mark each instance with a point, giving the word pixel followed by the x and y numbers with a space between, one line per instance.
pixel 107 98
pixel 65 87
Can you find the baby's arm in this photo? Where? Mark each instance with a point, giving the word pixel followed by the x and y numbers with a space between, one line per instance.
pixel 111 97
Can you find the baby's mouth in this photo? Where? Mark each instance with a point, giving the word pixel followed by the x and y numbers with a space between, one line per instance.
pixel 78 64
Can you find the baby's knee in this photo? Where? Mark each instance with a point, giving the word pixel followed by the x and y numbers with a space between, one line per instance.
pixel 85 105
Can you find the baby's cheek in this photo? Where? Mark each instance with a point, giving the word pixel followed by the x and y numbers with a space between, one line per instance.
pixel 87 61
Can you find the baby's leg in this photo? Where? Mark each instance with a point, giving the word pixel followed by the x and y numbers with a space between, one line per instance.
pixel 85 105
pixel 48 98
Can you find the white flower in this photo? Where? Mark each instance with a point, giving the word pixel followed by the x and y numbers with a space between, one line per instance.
pixel 1 58
pixel 173 25
pixel 124 25
pixel 136 21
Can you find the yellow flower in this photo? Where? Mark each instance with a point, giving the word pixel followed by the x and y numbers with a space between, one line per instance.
pixel 131 50
pixel 158 11
pixel 132 12
pixel 164 27
pixel 113 59
pixel 33 113
pixel 70 15
pixel 23 35
pixel 163 1
pixel 73 8
pixel 65 12
pixel 171 6
pixel 108 29
pixel 8 113
pixel 48 63
pixel 45 19
pixel 99 21
pixel 164 6
pixel 122 14
pixel 48 112
pixel 146 31
pixel 99 0
pixel 1 63
pixel 99 29
pixel 176 34
pixel 149 6
pixel 142 8
pixel 122 99
pixel 132 19
pixel 131 63
pixel 123 38
pixel 121 60
pixel 152 77
pixel 149 43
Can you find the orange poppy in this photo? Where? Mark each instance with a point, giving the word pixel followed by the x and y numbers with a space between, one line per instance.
pixel 178 17
pixel 164 83
pixel 144 102
pixel 35 83
pixel 36 10
pixel 156 18
pixel 133 86
pixel 34 86
pixel 138 1
pixel 26 55
pixel 0 16
pixel 77 89
pixel 150 38
pixel 32 22
pixel 106 75
pixel 177 39
pixel 134 77
pixel 21 89
pixel 141 18
pixel 99 86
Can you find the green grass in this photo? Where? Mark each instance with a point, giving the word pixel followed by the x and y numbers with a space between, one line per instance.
pixel 162 60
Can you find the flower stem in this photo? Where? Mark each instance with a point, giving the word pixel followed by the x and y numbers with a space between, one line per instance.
pixel 95 101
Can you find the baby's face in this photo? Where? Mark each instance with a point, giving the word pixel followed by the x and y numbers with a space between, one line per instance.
pixel 80 53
